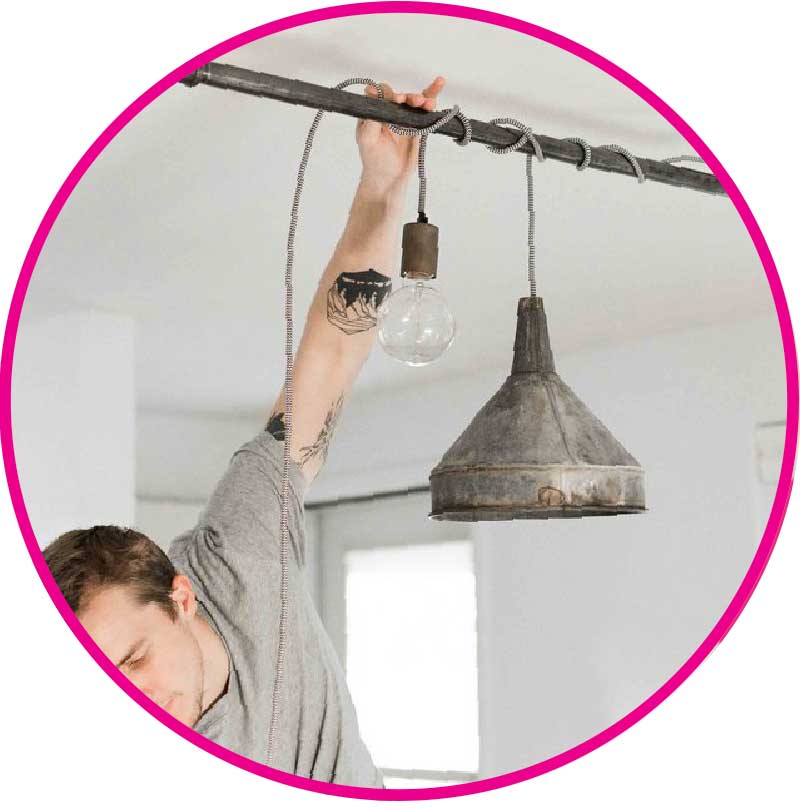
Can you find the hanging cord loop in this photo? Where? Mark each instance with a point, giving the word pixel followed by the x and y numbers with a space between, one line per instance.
pixel 629 156
pixel 692 158
pixel 587 151
pixel 448 115
pixel 422 133
pixel 526 136
pixel 587 156
pixel 288 411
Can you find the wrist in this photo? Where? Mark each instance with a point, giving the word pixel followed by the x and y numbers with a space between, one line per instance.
pixel 380 187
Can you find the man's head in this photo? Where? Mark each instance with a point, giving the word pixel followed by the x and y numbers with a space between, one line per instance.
pixel 130 599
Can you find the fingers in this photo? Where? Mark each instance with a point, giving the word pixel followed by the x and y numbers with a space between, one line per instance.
pixel 368 131
pixel 388 93
pixel 425 100
pixel 431 92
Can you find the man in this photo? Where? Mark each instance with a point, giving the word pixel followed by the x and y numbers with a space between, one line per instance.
pixel 196 629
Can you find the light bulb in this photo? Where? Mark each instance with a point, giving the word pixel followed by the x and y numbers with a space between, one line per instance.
pixel 415 325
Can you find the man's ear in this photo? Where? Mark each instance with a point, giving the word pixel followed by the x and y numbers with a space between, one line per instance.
pixel 183 597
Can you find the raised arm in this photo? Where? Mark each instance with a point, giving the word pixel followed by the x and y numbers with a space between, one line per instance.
pixel 340 326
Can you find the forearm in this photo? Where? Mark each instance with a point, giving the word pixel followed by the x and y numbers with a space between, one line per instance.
pixel 341 318
pixel 371 232
pixel 341 323
pixel 340 327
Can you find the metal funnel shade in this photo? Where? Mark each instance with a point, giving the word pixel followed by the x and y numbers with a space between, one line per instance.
pixel 535 450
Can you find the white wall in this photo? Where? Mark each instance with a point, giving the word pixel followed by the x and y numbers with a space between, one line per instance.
pixel 579 621
pixel 180 456
pixel 73 405
pixel 164 519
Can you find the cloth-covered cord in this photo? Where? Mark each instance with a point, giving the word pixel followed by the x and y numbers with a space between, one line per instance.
pixel 587 156
pixel 288 411
pixel 422 133
pixel 526 135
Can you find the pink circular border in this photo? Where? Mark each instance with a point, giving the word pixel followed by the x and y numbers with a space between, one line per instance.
pixel 784 484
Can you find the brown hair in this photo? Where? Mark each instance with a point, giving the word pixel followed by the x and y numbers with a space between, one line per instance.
pixel 83 561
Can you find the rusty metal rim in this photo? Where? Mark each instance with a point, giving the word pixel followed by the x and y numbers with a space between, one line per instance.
pixel 528 467
pixel 504 513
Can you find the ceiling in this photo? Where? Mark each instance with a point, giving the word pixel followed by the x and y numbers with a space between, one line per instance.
pixel 181 222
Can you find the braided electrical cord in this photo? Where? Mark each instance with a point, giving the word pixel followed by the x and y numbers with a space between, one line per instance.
pixel 288 409
pixel 587 156
pixel 422 134
pixel 631 159
pixel 284 522
pixel 525 137
pixel 587 151
pixel 692 158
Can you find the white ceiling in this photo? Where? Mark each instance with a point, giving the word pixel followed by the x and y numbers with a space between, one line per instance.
pixel 182 221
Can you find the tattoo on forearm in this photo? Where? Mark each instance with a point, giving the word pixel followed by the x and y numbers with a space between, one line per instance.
pixel 320 446
pixel 353 300
pixel 276 426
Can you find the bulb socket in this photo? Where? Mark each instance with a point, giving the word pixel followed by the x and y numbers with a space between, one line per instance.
pixel 420 250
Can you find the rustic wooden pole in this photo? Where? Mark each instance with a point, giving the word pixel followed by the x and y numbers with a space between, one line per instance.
pixel 358 105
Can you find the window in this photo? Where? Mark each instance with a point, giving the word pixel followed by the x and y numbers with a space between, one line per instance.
pixel 399 601
pixel 411 654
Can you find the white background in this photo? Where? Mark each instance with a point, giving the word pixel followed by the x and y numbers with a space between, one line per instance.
pixel 726 736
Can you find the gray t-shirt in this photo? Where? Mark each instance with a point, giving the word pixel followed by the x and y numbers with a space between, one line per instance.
pixel 232 558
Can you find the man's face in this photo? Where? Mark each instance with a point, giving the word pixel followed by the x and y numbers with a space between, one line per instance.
pixel 160 656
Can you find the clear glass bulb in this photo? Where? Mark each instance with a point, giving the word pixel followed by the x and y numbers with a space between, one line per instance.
pixel 415 324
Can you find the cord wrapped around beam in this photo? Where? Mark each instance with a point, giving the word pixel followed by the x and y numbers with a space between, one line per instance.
pixel 303 93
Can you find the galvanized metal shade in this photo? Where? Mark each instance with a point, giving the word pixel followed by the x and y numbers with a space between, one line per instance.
pixel 535 450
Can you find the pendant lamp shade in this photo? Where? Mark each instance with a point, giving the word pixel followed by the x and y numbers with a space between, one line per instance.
pixel 535 450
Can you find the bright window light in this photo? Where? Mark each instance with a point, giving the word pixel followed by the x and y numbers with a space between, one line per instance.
pixel 405 782
pixel 412 654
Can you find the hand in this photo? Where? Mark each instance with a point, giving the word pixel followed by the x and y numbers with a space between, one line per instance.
pixel 388 158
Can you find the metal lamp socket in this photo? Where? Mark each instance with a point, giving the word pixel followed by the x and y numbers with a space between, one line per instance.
pixel 420 250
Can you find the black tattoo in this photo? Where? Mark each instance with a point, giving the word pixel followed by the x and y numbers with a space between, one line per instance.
pixel 276 426
pixel 354 298
pixel 321 444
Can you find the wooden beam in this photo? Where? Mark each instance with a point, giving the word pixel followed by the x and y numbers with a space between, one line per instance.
pixel 359 105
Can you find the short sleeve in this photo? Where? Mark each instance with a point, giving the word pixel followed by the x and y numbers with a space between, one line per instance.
pixel 244 511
